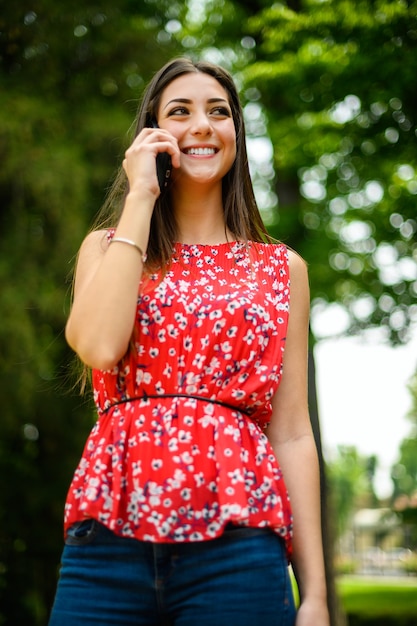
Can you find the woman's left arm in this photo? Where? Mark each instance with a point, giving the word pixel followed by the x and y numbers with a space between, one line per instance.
pixel 291 437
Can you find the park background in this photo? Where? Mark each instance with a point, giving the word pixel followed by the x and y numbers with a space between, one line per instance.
pixel 329 91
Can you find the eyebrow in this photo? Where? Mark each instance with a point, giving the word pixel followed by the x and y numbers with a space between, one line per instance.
pixel 188 101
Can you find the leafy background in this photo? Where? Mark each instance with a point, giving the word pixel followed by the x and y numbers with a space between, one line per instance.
pixel 330 96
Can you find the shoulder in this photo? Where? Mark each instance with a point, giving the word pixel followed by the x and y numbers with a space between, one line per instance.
pixel 299 283
pixel 275 252
pixel 297 264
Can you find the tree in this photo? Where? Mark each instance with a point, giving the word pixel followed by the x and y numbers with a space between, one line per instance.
pixel 350 481
pixel 330 84
pixel 404 475
pixel 335 80
pixel 68 74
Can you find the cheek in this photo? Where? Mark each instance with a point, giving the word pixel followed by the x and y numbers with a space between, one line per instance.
pixel 173 129
pixel 233 148
pixel 230 139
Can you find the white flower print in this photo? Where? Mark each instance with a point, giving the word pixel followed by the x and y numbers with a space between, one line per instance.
pixel 186 493
pixel 136 467
pixel 167 371
pixel 159 388
pixel 233 432
pixel 216 314
pixel 140 421
pixel 184 436
pixel 181 321
pixel 173 331
pixel 155 518
pixel 226 347
pixel 236 477
pixel 199 360
pixel 143 377
pixel 183 285
pixel 199 478
pixel 108 500
pixel 177 480
pixel 213 366
pixel 218 326
pixel 233 306
pixel 212 326
pixel 188 343
pixel 206 421
pixel 250 336
pixel 186 459
pixel 238 394
pixel 205 342
pixel 173 444
pixel 211 452
pixel 92 489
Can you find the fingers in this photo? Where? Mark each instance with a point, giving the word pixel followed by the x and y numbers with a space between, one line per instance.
pixel 139 163
pixel 154 140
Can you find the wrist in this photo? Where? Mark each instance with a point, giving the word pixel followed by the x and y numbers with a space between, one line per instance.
pixel 314 590
pixel 314 612
pixel 141 195
pixel 139 205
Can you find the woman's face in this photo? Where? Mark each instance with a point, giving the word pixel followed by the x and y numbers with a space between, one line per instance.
pixel 195 109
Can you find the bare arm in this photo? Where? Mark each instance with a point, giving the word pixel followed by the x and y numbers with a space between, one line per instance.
pixel 291 437
pixel 102 317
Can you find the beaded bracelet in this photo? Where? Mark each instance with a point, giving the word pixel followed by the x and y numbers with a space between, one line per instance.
pixel 132 243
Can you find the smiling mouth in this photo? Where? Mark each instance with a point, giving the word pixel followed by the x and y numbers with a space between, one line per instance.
pixel 200 151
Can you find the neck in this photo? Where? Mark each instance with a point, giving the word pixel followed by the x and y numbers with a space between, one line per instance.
pixel 200 217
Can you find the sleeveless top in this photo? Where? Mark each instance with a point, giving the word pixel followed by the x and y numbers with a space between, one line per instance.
pixel 178 450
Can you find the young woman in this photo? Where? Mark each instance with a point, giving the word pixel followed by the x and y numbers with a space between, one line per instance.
pixel 178 512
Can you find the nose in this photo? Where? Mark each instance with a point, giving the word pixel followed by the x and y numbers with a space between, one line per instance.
pixel 201 124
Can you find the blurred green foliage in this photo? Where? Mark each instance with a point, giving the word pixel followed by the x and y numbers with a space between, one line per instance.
pixel 404 475
pixel 331 83
pixel 70 78
pixel 350 477
pixel 379 603
pixel 336 83
pixel 405 472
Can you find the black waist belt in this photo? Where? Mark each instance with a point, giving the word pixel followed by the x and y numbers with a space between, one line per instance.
pixel 156 396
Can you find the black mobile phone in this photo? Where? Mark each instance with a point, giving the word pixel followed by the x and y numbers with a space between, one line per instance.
pixel 163 165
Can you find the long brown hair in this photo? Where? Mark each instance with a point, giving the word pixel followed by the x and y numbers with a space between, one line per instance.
pixel 242 217
pixel 241 213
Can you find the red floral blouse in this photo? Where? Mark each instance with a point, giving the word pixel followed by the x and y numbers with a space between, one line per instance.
pixel 178 450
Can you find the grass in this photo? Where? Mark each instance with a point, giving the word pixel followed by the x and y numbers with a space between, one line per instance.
pixel 378 597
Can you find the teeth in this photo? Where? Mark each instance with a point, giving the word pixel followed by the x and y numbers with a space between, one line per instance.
pixel 201 151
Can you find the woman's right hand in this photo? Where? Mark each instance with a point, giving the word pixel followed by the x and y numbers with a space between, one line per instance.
pixel 140 159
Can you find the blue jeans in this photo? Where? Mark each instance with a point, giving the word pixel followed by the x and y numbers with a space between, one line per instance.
pixel 239 579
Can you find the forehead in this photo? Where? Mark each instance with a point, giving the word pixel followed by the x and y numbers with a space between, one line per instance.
pixel 194 86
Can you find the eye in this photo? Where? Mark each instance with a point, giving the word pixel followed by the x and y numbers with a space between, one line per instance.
pixel 221 111
pixel 178 111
